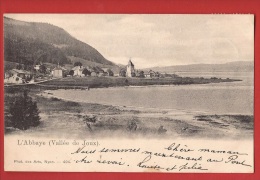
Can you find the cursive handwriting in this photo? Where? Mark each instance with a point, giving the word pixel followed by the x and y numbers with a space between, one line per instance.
pixel 81 150
pixel 83 160
pixel 147 159
pixel 178 147
pixel 172 155
pixel 175 157
pixel 220 151
pixel 105 150
pixel 194 166
pixel 233 160
pixel 110 161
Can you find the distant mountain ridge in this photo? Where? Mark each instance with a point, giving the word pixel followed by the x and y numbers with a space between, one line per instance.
pixel 240 66
pixel 30 42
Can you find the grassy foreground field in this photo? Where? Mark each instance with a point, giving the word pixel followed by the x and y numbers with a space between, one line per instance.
pixel 98 82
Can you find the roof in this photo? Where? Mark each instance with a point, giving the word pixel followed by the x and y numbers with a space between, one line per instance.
pixel 18 71
pixel 98 69
pixel 57 68
pixel 78 68
pixel 105 69
pixel 130 63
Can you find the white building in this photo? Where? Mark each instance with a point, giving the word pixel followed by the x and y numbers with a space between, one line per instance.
pixel 78 71
pixel 16 76
pixel 14 80
pixel 37 67
pixel 130 69
pixel 57 72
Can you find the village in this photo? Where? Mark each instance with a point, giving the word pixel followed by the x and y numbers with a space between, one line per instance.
pixel 44 72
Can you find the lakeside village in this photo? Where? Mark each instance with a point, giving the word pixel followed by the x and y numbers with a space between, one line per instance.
pixel 43 72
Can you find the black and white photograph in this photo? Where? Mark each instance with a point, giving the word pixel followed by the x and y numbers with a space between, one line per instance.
pixel 183 80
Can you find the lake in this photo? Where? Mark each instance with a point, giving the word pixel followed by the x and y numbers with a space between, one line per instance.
pixel 219 98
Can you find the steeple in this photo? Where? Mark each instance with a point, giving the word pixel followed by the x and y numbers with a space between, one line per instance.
pixel 130 69
pixel 130 63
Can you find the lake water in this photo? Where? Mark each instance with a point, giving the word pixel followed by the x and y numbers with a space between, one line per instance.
pixel 219 98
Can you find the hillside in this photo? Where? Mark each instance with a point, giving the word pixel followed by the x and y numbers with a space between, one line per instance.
pixel 30 43
pixel 240 66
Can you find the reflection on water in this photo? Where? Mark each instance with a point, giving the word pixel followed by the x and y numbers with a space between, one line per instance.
pixel 220 98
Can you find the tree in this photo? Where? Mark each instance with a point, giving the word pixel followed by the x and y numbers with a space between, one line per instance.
pixel 141 74
pixel 77 64
pixel 24 112
pixel 110 72
pixel 71 72
pixel 86 72
pixel 43 68
pixel 133 74
pixel 122 73
pixel 157 74
pixel 19 66
pixel 28 78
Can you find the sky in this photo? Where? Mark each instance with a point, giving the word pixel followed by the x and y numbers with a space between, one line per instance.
pixel 159 39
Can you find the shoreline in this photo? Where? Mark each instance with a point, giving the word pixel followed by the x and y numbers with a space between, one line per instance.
pixel 59 116
pixel 106 82
pixel 114 120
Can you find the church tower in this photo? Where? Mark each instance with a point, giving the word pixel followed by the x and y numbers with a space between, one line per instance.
pixel 130 69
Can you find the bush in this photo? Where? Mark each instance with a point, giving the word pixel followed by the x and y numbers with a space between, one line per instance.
pixel 71 72
pixel 24 112
pixel 90 120
pixel 132 125
pixel 77 64
pixel 161 130
pixel 86 72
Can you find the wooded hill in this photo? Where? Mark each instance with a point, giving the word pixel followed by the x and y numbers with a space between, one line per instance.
pixel 31 43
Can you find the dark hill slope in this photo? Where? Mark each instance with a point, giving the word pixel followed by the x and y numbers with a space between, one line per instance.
pixel 30 42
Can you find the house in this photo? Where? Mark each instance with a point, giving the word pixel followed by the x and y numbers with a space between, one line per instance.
pixel 147 74
pixel 97 71
pixel 139 74
pixel 108 72
pixel 57 72
pixel 100 74
pixel 7 75
pixel 14 80
pixel 78 71
pixel 151 74
pixel 17 76
pixel 130 69
pixel 20 73
pixel 37 67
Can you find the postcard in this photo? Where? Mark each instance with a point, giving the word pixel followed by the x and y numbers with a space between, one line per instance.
pixel 170 93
